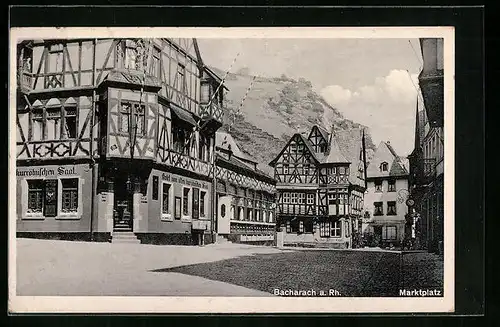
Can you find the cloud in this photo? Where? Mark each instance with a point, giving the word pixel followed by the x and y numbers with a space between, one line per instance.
pixel 387 106
pixel 336 95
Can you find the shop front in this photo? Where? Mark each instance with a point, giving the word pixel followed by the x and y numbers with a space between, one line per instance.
pixel 54 199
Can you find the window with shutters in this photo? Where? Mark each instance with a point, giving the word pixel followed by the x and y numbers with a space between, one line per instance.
pixel 69 195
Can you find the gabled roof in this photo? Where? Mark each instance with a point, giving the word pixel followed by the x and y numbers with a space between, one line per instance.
pixel 321 130
pixel 225 140
pixel 335 154
pixel 306 143
pixel 350 143
pixel 386 153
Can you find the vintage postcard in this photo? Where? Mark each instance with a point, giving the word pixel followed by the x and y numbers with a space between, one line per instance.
pixel 231 170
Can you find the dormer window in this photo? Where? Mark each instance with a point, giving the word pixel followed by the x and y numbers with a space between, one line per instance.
pixel 384 166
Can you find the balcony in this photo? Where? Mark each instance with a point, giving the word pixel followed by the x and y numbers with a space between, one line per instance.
pixel 25 81
pixel 213 110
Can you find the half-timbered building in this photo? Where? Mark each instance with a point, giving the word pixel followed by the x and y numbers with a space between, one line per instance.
pixel 320 186
pixel 245 195
pixel 116 139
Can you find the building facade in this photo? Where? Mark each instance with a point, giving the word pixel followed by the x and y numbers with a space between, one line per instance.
pixel 427 158
pixel 116 135
pixel 385 197
pixel 320 186
pixel 245 196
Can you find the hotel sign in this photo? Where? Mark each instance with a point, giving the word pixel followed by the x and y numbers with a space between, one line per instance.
pixel 46 171
pixel 184 180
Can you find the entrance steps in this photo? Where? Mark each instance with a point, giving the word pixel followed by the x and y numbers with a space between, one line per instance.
pixel 122 227
pixel 124 237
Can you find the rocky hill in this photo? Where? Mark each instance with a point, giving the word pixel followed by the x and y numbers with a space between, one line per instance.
pixel 275 109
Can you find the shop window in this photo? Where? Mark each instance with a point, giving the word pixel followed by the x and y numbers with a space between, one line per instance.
pixel 336 231
pixel 378 186
pixel 202 203
pixel 308 226
pixel 185 202
pixel 69 195
pixel 347 231
pixel 391 208
pixel 35 196
pixel 324 228
pixel 294 226
pixel 389 232
pixel 301 226
pixel 378 209
pixel 166 199
pixel 310 198
pixel 392 186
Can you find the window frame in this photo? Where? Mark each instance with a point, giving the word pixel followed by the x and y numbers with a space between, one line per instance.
pixel 310 196
pixel 391 185
pixel 186 203
pixel 378 205
pixel 168 216
pixel 336 226
pixel 385 233
pixel 392 205
pixel 74 206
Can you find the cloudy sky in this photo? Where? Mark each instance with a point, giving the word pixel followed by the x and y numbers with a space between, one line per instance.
pixel 368 80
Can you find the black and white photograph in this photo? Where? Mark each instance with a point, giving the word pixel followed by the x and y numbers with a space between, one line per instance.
pixel 209 168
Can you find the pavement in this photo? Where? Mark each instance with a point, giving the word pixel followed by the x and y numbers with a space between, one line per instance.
pixel 58 268
pixel 55 268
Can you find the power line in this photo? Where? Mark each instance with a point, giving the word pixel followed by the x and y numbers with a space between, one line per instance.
pixel 416 55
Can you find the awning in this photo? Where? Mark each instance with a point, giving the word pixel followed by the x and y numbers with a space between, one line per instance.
pixel 183 115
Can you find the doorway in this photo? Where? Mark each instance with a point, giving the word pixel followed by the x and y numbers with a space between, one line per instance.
pixel 123 220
